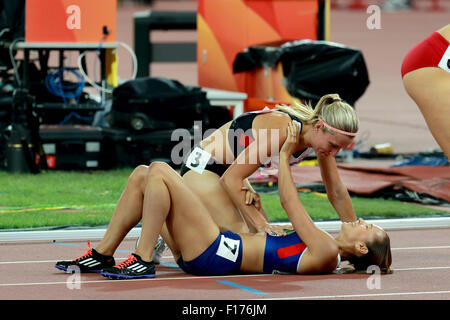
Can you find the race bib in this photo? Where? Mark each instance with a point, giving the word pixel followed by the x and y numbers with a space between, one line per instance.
pixel 197 160
pixel 445 61
pixel 228 248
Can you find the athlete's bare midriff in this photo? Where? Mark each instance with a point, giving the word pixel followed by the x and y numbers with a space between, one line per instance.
pixel 218 139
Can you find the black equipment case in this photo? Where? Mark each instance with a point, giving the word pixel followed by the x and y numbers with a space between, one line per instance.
pixel 75 147
pixel 88 147
pixel 157 104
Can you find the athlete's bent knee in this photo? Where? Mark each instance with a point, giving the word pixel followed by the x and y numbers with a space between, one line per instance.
pixel 138 175
pixel 159 168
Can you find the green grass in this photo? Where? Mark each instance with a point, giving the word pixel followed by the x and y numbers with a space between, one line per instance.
pixel 319 208
pixel 59 198
pixel 62 198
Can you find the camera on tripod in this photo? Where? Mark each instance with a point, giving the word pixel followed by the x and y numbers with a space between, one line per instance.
pixel 23 134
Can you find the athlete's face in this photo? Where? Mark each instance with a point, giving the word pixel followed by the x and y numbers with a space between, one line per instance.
pixel 326 144
pixel 360 231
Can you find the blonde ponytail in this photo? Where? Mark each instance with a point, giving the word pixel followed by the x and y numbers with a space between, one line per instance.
pixel 304 112
pixel 330 108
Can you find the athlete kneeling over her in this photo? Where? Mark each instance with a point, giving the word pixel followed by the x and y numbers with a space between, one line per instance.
pixel 201 249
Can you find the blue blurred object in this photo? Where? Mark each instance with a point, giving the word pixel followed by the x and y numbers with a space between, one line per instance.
pixel 423 161
pixel 56 86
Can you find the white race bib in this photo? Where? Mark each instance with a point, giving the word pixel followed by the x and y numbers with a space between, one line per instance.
pixel 197 160
pixel 228 248
pixel 445 61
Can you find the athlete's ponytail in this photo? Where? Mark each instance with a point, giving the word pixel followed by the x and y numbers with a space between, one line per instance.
pixel 331 109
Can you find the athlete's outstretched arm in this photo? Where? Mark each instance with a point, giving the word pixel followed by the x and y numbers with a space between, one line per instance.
pixel 322 249
pixel 337 192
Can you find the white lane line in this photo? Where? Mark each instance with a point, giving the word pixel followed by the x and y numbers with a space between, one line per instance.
pixel 55 260
pixel 422 248
pixel 29 261
pixel 395 269
pixel 171 257
pixel 420 268
pixel 330 226
pixel 341 296
pixel 368 295
pixel 190 278
pixel 130 280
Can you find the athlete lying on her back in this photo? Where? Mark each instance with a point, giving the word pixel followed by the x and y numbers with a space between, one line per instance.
pixel 201 249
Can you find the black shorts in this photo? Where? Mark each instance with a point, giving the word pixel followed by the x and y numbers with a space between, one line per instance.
pixel 212 166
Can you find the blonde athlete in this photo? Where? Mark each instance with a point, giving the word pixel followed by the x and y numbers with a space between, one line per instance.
pixel 217 169
pixel 199 246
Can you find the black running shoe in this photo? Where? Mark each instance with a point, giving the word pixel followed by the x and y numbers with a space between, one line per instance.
pixel 91 261
pixel 132 268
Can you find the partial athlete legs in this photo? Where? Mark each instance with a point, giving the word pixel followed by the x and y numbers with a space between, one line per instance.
pixel 188 222
pixel 156 206
pixel 127 214
pixel 429 88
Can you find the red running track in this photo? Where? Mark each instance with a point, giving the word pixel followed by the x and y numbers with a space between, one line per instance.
pixel 421 260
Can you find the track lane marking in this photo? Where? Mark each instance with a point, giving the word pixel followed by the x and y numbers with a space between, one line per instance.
pixel 191 277
pixel 421 248
pixel 239 286
pixel 130 280
pixel 420 268
pixel 361 295
pixel 171 257
pixel 54 261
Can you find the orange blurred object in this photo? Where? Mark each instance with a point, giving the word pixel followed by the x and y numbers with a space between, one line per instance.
pixel 70 21
pixel 228 27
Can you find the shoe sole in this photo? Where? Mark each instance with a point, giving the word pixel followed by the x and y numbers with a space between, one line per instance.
pixel 115 276
pixel 74 271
